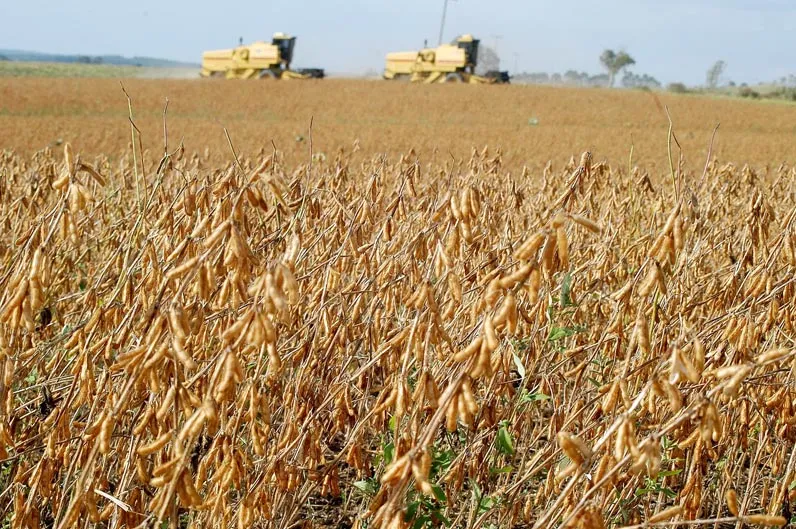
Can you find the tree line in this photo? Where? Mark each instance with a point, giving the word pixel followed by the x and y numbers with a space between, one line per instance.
pixel 612 61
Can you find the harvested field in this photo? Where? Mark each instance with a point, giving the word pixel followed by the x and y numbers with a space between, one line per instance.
pixel 54 70
pixel 379 337
pixel 437 121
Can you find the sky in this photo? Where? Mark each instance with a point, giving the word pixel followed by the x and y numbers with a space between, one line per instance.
pixel 672 40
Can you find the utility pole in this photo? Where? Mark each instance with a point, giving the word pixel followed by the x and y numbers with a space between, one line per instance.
pixel 442 23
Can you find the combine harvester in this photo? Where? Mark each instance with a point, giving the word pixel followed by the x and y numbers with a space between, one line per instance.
pixel 449 63
pixel 259 60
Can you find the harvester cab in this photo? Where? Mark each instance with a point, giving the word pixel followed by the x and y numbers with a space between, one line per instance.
pixel 470 47
pixel 284 44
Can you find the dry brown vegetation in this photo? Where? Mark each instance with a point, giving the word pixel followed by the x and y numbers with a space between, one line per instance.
pixel 369 340
pixel 438 122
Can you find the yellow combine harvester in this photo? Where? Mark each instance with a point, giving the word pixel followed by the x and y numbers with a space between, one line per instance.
pixel 259 60
pixel 449 63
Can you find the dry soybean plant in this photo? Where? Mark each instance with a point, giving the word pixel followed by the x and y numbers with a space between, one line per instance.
pixel 373 342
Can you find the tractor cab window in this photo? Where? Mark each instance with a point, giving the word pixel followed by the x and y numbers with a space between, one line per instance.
pixel 470 51
pixel 285 48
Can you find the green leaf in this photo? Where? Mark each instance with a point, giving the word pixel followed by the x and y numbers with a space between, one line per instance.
pixel 565 299
pixel 392 423
pixel 528 396
pixel 439 517
pixel 518 365
pixel 388 453
pixel 504 442
pixel 667 443
pixel 667 473
pixel 411 511
pixel 368 486
pixel 792 485
pixel 596 383
pixel 485 504
pixel 439 493
pixel 476 489
pixel 501 470
pixel 32 377
pixel 441 461
pixel 420 522
pixel 559 333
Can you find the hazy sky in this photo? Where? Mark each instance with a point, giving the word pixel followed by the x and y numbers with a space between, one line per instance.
pixel 673 40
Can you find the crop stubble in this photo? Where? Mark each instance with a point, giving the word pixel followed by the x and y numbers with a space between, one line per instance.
pixel 392 340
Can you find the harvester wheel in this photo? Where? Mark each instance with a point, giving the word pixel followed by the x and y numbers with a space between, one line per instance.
pixel 454 77
pixel 217 75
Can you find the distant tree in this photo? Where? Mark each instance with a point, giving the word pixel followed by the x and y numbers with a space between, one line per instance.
pixel 602 79
pixel 745 91
pixel 4 58
pixel 614 62
pixel 538 77
pixel 542 77
pixel 677 88
pixel 572 77
pixel 650 82
pixel 555 78
pixel 629 80
pixel 632 80
pixel 714 74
